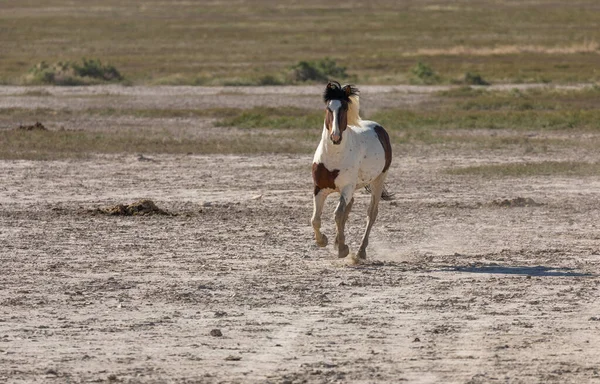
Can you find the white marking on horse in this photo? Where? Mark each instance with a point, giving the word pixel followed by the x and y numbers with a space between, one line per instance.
pixel 335 106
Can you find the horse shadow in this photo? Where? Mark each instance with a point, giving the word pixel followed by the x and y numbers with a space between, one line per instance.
pixel 537 271
pixel 492 268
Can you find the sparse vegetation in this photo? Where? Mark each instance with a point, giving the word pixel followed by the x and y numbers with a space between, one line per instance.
pixel 461 116
pixel 544 168
pixel 471 118
pixel 61 143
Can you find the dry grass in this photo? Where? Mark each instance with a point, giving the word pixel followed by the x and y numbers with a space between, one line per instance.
pixel 59 144
pixel 246 42
pixel 528 121
pixel 461 50
pixel 518 170
pixel 530 110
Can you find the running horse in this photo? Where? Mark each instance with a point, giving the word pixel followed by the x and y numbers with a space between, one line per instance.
pixel 353 153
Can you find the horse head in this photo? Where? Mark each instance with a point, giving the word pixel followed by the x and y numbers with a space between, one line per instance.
pixel 337 100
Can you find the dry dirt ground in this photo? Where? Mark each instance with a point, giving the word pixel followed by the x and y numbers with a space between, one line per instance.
pixel 232 289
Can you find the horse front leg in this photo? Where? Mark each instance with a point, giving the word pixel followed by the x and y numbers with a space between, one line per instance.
pixel 341 216
pixel 376 189
pixel 319 201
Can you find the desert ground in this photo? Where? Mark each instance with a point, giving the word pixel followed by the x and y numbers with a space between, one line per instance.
pixel 469 278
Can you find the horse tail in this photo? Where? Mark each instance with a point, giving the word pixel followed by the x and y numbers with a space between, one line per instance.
pixel 385 194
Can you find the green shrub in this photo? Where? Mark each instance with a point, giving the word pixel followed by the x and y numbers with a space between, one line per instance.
pixel 72 73
pixel 424 74
pixel 95 70
pixel 319 70
pixel 56 74
pixel 474 79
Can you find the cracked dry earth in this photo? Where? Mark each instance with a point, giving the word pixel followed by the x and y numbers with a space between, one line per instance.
pixel 231 288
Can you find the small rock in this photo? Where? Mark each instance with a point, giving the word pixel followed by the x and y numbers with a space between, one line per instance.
pixel 216 333
pixel 233 358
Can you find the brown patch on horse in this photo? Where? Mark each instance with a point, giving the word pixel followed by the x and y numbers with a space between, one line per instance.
pixel 328 119
pixel 384 138
pixel 323 177
pixel 343 118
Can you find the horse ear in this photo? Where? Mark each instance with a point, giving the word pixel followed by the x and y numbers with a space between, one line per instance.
pixel 348 90
pixel 332 84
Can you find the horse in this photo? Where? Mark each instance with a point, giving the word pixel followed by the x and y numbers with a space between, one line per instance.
pixel 353 154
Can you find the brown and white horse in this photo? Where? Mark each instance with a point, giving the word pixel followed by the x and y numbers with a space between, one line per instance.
pixel 353 153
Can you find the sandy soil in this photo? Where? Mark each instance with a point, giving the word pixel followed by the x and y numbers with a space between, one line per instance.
pixel 231 288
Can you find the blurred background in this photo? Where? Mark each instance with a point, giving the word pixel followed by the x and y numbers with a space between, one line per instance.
pixel 265 42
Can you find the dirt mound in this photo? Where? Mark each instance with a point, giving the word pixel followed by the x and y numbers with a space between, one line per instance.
pixel 516 202
pixel 35 127
pixel 453 204
pixel 140 208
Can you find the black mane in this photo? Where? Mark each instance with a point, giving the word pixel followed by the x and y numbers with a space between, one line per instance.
pixel 334 91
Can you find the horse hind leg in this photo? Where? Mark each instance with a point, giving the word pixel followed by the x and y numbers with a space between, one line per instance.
pixel 376 189
pixel 319 201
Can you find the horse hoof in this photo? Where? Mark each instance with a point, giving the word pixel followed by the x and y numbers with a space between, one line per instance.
pixel 323 242
pixel 343 251
pixel 362 254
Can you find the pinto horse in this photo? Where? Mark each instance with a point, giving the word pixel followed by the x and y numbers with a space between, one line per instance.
pixel 353 153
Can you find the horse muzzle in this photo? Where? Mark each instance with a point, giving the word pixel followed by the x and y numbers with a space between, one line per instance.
pixel 335 140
